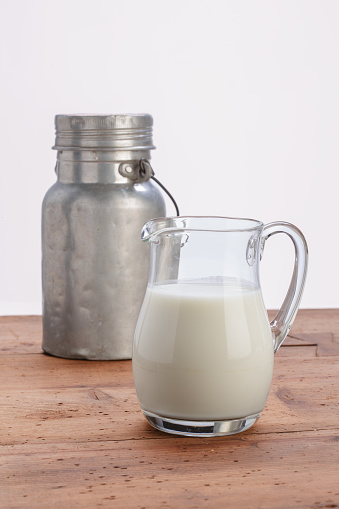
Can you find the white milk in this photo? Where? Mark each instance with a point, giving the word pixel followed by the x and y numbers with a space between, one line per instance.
pixel 203 351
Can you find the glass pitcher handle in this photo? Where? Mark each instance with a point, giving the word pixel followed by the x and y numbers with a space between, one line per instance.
pixel 283 320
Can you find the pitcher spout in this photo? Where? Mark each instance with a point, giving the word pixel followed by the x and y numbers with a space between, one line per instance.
pixel 178 224
pixel 161 225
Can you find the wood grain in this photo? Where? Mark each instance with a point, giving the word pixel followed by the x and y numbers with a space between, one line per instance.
pixel 271 471
pixel 23 334
pixel 72 433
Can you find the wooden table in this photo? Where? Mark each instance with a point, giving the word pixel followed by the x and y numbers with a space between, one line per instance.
pixel 72 434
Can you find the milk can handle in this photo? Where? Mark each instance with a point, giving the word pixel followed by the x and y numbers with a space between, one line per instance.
pixel 283 320
pixel 142 172
pixel 146 168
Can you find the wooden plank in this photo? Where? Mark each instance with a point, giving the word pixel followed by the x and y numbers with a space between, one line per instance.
pixel 327 343
pixel 20 334
pixel 73 434
pixel 306 340
pixel 279 470
pixel 46 399
pixel 23 334
pixel 43 372
pixel 24 372
pixel 314 320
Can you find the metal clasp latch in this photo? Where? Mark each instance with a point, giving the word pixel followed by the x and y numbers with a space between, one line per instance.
pixel 140 171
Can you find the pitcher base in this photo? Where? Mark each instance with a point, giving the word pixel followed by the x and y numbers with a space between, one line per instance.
pixel 200 428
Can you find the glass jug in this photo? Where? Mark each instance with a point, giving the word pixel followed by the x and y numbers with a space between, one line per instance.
pixel 203 347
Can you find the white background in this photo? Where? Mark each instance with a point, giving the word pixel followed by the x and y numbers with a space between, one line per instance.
pixel 244 96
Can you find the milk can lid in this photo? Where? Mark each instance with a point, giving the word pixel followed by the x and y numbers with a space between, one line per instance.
pixel 131 131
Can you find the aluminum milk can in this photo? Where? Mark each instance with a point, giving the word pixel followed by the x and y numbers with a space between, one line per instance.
pixel 94 267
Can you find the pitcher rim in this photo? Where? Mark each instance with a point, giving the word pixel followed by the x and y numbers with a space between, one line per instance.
pixel 174 225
